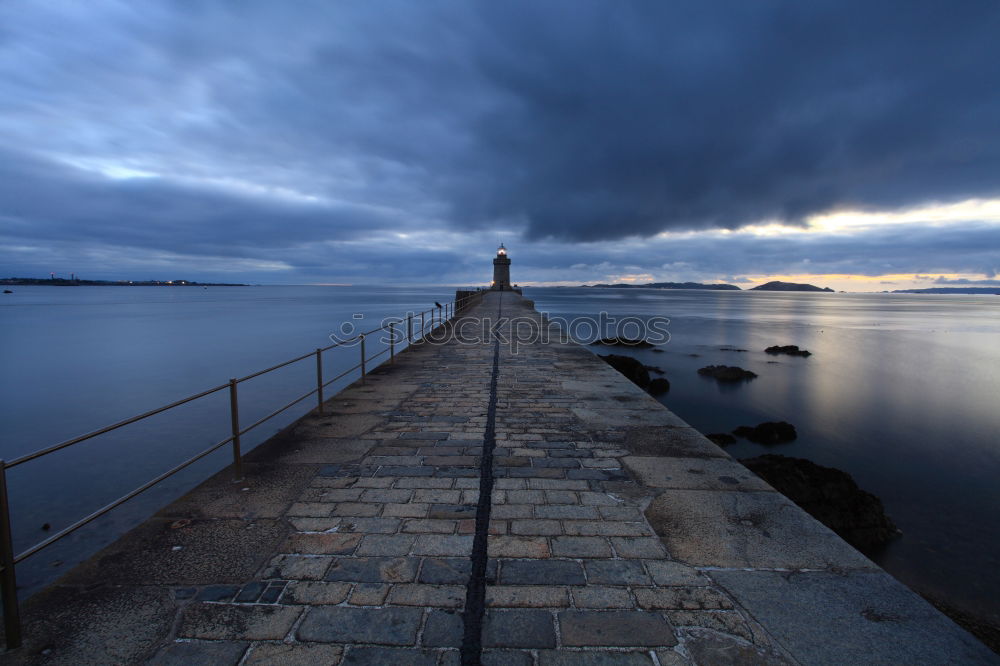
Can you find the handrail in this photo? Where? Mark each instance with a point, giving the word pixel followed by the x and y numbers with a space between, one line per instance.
pixel 8 581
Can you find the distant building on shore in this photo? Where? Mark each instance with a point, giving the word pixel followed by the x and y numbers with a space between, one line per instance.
pixel 501 270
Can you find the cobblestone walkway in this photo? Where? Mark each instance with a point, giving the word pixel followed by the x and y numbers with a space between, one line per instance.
pixel 616 534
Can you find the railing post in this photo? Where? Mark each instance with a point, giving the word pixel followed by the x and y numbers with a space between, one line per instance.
pixel 392 342
pixel 363 373
pixel 409 327
pixel 421 325
pixel 234 416
pixel 319 381
pixel 8 582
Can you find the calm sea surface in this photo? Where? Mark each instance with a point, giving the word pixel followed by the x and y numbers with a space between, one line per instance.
pixel 902 392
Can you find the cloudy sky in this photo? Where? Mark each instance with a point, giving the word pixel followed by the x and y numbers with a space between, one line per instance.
pixel 842 142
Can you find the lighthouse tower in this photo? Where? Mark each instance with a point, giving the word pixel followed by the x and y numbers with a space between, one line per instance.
pixel 501 269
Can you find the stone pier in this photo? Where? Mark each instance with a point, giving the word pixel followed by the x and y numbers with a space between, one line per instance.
pixel 611 533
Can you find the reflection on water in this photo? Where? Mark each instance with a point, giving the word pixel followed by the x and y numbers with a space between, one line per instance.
pixel 901 392
pixel 79 358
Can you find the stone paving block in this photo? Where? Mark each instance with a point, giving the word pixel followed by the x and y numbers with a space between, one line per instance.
pixel 387 495
pixel 604 528
pixel 557 484
pixel 443 544
pixel 316 509
pixel 201 653
pixel 297 654
pixel 237 622
pixel 373 569
pixel 344 624
pixel 369 594
pixel 432 526
pixel 369 525
pixel 452 570
pixel 385 544
pixel 443 629
pixel 373 483
pixel 411 510
pixel 573 546
pixel 590 498
pixel 667 572
pixel 617 572
pixel 322 544
pixel 316 593
pixel 377 656
pixel 593 658
pixel 436 496
pixel 424 435
pixel 452 511
pixel 634 547
pixel 440 596
pixel 536 527
pixel 407 470
pixel 541 572
pixel 594 596
pixel 686 598
pixel 358 509
pixel 507 658
pixel 440 484
pixel 509 484
pixel 566 512
pixel 297 567
pixel 519 629
pixel 540 473
pixel 518 546
pixel 339 494
pixel 526 596
pixel 512 511
pixel 615 628
pixel 525 496
pixel 625 513
pixel 726 622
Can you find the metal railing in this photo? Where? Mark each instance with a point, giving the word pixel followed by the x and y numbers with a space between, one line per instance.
pixel 429 320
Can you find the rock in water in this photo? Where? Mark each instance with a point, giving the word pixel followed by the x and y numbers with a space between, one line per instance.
pixel 791 350
pixel 769 432
pixel 658 386
pixel 830 496
pixel 727 373
pixel 631 368
pixel 721 438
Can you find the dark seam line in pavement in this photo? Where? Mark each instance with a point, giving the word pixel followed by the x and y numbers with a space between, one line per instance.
pixel 475 591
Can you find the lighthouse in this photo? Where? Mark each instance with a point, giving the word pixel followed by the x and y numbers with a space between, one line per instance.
pixel 501 269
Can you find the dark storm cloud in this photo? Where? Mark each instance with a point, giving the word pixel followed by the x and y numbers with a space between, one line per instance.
pixel 309 135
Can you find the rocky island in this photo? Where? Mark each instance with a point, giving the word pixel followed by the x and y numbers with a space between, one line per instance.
pixel 778 285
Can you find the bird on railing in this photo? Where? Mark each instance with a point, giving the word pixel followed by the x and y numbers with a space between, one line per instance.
pixel 438 304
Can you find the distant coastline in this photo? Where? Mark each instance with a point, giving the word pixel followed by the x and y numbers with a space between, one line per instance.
pixel 719 286
pixel 76 282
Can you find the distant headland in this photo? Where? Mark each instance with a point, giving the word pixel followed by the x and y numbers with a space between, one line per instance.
pixel 667 285
pixel 770 286
pixel 777 285
pixel 77 282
